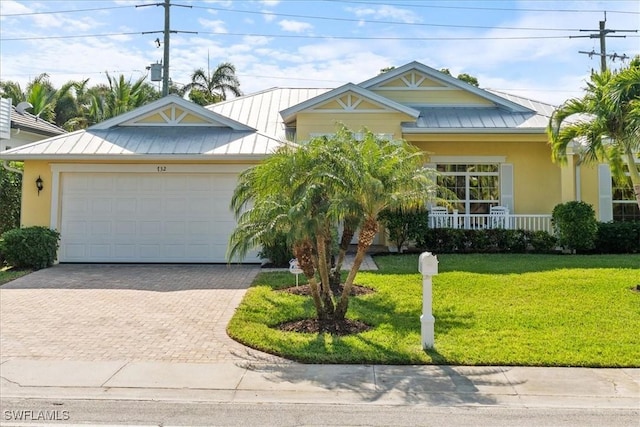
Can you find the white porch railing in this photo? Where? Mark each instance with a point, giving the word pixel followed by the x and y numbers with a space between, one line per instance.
pixel 487 221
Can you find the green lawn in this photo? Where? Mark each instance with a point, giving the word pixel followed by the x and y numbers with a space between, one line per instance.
pixel 533 310
pixel 9 274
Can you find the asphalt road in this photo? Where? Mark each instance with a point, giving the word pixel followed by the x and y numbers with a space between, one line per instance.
pixel 164 413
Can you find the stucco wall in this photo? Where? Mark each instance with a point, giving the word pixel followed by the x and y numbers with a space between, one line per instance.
pixel 537 185
pixel 326 123
pixel 35 208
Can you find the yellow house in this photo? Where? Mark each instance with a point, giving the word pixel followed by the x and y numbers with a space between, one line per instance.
pixel 154 184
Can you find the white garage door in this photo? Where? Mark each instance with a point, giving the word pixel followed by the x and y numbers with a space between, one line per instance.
pixel 140 217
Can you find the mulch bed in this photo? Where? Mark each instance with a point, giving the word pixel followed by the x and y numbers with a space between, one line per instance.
pixel 313 326
pixel 305 290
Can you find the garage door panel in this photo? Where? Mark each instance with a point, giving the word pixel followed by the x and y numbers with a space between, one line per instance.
pixel 100 228
pixel 102 182
pixel 127 183
pixel 126 206
pixel 150 206
pixel 139 217
pixel 150 252
pixel 150 228
pixel 125 251
pixel 175 228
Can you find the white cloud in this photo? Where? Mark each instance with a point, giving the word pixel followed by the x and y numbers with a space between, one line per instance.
pixel 217 26
pixel 10 7
pixel 294 26
pixel 385 12
pixel 268 16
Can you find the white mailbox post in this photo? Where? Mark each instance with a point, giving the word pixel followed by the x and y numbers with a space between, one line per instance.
pixel 428 267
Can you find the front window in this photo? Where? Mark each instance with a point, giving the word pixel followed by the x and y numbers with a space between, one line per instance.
pixel 476 186
pixel 625 206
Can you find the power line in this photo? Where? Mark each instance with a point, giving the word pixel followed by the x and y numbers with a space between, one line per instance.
pixel 290 36
pixel 426 6
pixel 356 20
pixel 423 6
pixel 52 12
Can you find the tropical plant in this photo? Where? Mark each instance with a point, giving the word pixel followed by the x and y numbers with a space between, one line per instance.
pixel 604 124
pixel 40 93
pixel 575 225
pixel 118 97
pixel 10 191
pixel 307 192
pixel 208 88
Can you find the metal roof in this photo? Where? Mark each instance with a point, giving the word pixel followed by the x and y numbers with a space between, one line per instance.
pixel 465 119
pixel 162 142
pixel 261 110
pixel 439 118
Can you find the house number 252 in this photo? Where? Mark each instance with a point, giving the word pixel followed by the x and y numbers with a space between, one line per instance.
pixel 162 168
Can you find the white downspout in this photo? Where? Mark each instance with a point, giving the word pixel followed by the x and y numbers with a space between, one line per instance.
pixel 5 164
pixel 578 184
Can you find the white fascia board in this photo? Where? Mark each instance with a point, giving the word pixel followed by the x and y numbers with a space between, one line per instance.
pixel 413 131
pixel 148 168
pixel 138 157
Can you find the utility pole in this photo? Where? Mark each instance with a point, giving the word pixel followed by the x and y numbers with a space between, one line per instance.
pixel 167 32
pixel 602 33
pixel 165 63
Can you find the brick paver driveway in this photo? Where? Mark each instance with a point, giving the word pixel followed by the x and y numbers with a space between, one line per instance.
pixel 174 313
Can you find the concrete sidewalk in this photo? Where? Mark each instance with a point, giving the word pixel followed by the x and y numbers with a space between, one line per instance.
pixel 254 381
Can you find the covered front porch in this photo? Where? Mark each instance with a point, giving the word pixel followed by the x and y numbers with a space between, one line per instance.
pixel 440 217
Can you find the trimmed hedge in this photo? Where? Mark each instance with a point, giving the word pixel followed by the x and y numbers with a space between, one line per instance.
pixel 30 247
pixel 618 238
pixel 498 240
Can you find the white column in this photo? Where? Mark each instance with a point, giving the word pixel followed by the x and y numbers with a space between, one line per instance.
pixel 428 267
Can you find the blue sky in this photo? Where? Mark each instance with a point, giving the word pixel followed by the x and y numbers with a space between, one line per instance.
pixel 521 47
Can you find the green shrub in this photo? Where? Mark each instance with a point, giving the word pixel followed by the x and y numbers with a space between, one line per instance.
pixel 542 242
pixel 441 240
pixel 618 237
pixel 10 192
pixel 276 250
pixel 448 240
pixel 31 247
pixel 575 225
pixel 404 226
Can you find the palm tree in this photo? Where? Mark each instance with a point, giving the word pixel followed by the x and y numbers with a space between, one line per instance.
pixel 118 97
pixel 306 191
pixel 208 88
pixel 382 175
pixel 605 122
pixel 48 103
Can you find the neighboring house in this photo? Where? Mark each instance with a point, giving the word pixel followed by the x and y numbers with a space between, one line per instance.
pixel 19 127
pixel 154 184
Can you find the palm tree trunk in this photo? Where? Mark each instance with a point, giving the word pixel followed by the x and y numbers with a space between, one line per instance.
pixel 323 268
pixel 367 234
pixel 345 241
pixel 633 173
pixel 302 251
